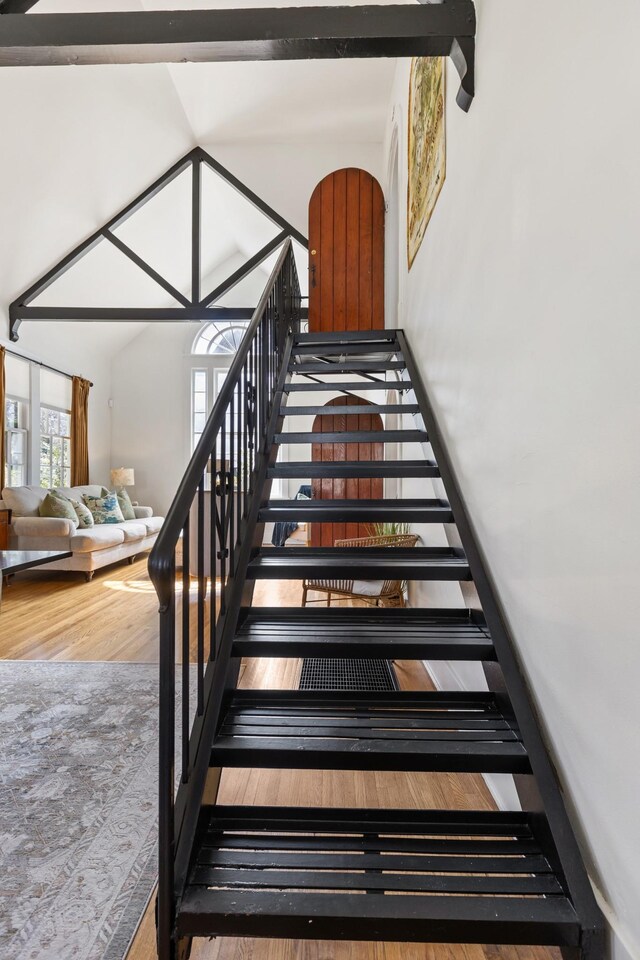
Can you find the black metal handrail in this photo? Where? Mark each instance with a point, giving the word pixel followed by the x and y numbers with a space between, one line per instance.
pixel 215 524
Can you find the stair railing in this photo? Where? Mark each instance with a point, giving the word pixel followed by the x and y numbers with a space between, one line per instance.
pixel 207 534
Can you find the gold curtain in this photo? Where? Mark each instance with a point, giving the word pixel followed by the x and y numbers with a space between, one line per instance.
pixel 80 432
pixel 2 413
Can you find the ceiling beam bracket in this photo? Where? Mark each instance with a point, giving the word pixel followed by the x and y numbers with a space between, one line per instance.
pixel 463 52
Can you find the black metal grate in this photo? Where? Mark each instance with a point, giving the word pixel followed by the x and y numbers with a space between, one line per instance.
pixel 331 674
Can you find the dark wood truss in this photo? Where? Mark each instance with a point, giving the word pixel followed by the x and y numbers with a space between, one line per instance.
pixel 197 307
pixel 285 33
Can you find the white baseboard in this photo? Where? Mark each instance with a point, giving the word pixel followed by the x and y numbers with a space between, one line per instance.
pixel 446 676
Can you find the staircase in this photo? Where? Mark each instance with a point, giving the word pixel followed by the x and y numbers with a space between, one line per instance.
pixel 513 877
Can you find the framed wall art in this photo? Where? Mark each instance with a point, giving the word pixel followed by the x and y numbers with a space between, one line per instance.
pixel 426 147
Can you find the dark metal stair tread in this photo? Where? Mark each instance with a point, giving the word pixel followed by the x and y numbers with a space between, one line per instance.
pixel 451 874
pixel 411 918
pixel 356 385
pixel 361 632
pixel 370 731
pixel 372 563
pixel 323 511
pixel 346 366
pixel 377 349
pixel 355 468
pixel 344 336
pixel 356 409
pixel 353 436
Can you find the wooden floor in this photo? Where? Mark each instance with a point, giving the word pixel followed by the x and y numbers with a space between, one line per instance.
pixel 58 616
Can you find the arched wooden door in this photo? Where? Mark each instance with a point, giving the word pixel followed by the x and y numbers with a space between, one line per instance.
pixel 346 252
pixel 324 534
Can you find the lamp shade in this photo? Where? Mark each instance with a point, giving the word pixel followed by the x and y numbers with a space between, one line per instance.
pixel 122 477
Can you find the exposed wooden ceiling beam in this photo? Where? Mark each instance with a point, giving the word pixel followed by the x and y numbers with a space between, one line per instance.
pixel 293 33
pixel 16 6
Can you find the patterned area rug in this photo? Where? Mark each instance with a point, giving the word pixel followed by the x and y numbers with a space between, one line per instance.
pixel 78 786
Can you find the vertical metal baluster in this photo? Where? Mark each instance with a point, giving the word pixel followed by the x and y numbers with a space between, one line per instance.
pixel 269 359
pixel 186 654
pixel 277 320
pixel 245 441
pixel 239 462
pixel 202 590
pixel 232 493
pixel 223 518
pixel 258 387
pixel 166 758
pixel 263 365
pixel 254 411
pixel 272 326
pixel 212 555
pixel 276 330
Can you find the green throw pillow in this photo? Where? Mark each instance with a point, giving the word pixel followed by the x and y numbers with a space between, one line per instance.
pixel 125 505
pixel 104 509
pixel 85 517
pixel 55 505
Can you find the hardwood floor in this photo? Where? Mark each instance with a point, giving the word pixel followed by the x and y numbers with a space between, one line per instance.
pixel 58 616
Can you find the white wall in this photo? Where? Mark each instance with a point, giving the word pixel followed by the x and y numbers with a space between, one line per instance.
pixel 77 145
pixel 521 307
pixel 285 174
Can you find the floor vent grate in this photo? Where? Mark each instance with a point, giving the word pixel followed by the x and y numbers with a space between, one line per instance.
pixel 330 674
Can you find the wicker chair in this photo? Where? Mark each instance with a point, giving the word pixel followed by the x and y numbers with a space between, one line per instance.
pixel 377 593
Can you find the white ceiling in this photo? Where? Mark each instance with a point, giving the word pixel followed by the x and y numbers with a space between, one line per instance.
pixel 285 101
pixel 277 102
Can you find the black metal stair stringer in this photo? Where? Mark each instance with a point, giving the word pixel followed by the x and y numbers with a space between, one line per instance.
pixel 553 810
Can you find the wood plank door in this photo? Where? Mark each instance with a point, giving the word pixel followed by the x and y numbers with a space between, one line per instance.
pixel 324 534
pixel 346 252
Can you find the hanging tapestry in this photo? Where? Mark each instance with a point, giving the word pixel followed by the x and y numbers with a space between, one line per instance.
pixel 427 149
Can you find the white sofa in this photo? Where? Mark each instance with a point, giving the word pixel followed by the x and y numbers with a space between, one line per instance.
pixel 93 547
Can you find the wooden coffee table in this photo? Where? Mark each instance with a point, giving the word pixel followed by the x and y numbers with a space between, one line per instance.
pixel 12 561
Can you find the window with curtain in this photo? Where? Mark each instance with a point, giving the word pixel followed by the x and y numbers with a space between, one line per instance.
pixel 16 446
pixel 55 447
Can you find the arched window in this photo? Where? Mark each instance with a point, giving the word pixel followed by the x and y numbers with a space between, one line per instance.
pixel 219 336
pixel 212 353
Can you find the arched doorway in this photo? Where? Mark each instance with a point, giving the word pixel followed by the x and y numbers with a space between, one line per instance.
pixel 324 534
pixel 346 252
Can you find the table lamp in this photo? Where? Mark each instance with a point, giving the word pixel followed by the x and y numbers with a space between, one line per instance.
pixel 122 477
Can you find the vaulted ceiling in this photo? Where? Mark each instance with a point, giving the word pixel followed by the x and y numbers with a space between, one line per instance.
pixel 70 173
pixel 276 102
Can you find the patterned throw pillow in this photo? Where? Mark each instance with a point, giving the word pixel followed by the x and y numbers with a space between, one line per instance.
pixel 125 505
pixel 56 506
pixel 85 517
pixel 104 509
